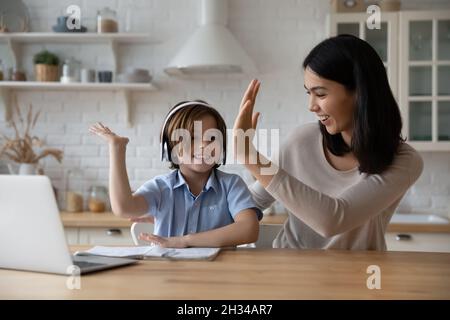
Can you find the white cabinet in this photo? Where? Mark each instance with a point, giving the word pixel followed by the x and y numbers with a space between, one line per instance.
pixel 98 236
pixel 417 241
pixel 425 78
pixel 415 48
pixel 71 235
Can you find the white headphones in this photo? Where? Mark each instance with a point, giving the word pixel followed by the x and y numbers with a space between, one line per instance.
pixel 164 145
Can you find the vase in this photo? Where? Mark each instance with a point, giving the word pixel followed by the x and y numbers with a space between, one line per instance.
pixel 27 169
pixel 24 169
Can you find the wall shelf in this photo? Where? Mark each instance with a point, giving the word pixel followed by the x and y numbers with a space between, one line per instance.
pixel 14 41
pixel 30 85
pixel 122 91
pixel 76 37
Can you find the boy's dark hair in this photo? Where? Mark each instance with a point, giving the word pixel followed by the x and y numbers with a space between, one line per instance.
pixel 184 119
pixel 377 122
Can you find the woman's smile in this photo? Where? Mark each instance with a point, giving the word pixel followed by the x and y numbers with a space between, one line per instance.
pixel 324 118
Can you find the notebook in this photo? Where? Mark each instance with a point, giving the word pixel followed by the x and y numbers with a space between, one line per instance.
pixel 152 252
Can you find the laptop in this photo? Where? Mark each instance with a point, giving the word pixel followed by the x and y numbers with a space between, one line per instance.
pixel 32 235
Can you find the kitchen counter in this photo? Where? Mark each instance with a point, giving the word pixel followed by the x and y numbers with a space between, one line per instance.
pixel 94 220
pixel 392 227
pixel 108 220
pixel 251 274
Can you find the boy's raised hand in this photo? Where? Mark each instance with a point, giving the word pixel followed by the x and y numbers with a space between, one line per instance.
pixel 104 132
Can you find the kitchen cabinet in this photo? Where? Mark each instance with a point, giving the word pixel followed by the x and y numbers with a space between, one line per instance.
pixel 15 41
pixel 96 229
pixel 98 236
pixel 106 229
pixel 418 241
pixel 425 75
pixel 425 237
pixel 419 43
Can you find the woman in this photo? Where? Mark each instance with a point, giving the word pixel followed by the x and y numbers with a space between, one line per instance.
pixel 342 178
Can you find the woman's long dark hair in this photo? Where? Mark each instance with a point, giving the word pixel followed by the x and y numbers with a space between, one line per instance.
pixel 377 123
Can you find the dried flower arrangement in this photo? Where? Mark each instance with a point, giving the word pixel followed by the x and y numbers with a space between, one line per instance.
pixel 20 149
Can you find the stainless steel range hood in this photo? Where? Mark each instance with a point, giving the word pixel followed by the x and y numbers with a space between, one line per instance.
pixel 212 48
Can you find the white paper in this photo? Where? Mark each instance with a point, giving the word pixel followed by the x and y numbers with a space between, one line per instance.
pixel 152 251
pixel 120 252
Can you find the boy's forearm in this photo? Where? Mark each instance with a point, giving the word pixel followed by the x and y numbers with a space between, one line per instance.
pixel 231 235
pixel 119 185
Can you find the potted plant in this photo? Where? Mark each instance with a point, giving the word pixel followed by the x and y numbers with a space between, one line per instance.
pixel 24 148
pixel 46 66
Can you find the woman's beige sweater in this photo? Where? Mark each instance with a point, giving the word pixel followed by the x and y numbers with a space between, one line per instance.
pixel 332 209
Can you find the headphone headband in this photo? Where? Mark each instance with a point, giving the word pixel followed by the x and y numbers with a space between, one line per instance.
pixel 179 107
pixel 164 143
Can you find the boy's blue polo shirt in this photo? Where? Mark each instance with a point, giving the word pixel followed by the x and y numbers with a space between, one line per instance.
pixel 178 212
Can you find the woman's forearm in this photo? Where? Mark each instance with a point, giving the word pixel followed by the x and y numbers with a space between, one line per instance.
pixel 263 170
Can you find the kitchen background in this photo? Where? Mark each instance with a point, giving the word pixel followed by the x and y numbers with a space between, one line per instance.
pixel 277 35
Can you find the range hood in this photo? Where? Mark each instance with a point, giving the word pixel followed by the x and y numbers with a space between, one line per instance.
pixel 212 48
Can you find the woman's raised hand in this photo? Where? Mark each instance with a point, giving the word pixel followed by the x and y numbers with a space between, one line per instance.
pixel 246 119
pixel 104 132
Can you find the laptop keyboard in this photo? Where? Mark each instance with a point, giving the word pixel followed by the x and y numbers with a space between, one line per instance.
pixel 86 264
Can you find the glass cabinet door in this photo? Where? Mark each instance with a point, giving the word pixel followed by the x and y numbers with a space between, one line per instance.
pixel 444 120
pixel 420 40
pixel 420 121
pixel 378 39
pixel 443 42
pixel 348 28
pixel 428 77
pixel 443 79
pixel 420 80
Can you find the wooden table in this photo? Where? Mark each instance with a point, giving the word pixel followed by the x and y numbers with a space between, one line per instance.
pixel 251 274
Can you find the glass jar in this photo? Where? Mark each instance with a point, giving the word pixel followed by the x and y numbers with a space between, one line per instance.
pixel 107 21
pixel 74 191
pixel 71 70
pixel 98 199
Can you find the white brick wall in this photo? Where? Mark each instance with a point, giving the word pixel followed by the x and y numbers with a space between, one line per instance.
pixel 276 34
